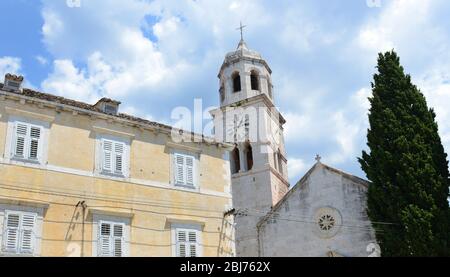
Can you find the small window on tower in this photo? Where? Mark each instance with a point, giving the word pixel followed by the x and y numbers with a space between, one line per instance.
pixel 236 82
pixel 249 156
pixel 235 161
pixel 254 80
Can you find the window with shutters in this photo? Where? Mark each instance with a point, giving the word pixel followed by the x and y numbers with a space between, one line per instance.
pixel 187 242
pixel 19 232
pixel 184 169
pixel 114 157
pixel 27 142
pixel 111 239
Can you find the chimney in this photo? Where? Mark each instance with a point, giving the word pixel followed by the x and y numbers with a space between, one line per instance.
pixel 13 82
pixel 108 106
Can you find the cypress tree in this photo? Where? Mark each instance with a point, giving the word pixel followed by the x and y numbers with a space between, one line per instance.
pixel 407 167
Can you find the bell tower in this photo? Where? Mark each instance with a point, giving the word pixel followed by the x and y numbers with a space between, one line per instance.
pixel 248 118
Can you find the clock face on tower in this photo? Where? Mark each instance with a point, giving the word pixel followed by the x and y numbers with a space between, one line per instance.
pixel 235 129
pixel 275 135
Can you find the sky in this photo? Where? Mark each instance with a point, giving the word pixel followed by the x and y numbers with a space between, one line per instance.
pixel 154 56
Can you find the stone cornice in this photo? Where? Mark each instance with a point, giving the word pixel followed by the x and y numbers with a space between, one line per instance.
pixel 38 116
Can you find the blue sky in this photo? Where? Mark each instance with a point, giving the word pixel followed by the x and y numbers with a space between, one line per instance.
pixel 157 55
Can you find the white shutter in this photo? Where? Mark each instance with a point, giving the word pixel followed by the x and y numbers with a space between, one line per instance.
pixel 187 243
pixel 181 243
pixel 119 149
pixel 27 141
pixel 118 240
pixel 184 169
pixel 20 140
pixel 193 244
pixel 35 135
pixel 179 169
pixel 19 234
pixel 107 155
pixel 114 157
pixel 27 238
pixel 104 241
pixel 111 239
pixel 189 170
pixel 11 234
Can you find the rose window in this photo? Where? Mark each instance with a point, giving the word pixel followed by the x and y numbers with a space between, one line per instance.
pixel 326 222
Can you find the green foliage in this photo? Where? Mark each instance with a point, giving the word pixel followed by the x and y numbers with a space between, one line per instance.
pixel 407 166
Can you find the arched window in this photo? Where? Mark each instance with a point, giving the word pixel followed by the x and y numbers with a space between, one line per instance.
pixel 254 80
pixel 236 82
pixel 249 156
pixel 235 161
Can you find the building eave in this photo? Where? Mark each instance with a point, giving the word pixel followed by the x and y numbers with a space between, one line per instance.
pixel 78 107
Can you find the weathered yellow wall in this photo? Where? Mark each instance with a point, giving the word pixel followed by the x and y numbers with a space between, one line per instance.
pixel 148 161
pixel 72 146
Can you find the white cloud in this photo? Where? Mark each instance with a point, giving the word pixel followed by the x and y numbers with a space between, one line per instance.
pixel 435 85
pixel 139 51
pixel 120 62
pixel 69 81
pixel 41 60
pixel 53 26
pixel 421 39
pixel 9 65
pixel 296 169
pixel 346 136
pixel 408 26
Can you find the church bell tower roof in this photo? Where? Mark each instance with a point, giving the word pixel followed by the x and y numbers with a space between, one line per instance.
pixel 243 52
pixel 242 45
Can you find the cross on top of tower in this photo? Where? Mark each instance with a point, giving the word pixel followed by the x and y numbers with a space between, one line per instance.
pixel 241 27
pixel 318 158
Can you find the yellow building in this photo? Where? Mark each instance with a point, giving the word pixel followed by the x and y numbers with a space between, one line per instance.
pixel 84 180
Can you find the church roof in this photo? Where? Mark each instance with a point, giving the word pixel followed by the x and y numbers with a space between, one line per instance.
pixel 242 52
pixel 302 181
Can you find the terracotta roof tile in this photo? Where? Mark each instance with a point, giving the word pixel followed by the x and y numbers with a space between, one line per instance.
pixel 78 104
pixel 14 77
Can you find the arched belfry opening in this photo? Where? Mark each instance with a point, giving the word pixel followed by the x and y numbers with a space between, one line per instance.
pixel 235 161
pixel 236 82
pixel 248 151
pixel 254 80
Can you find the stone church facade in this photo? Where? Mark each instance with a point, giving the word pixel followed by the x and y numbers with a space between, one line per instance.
pixel 324 214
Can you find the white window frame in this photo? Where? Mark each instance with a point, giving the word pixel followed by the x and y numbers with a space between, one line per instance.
pixel 11 140
pixel 6 209
pixel 98 219
pixel 195 169
pixel 100 156
pixel 176 227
